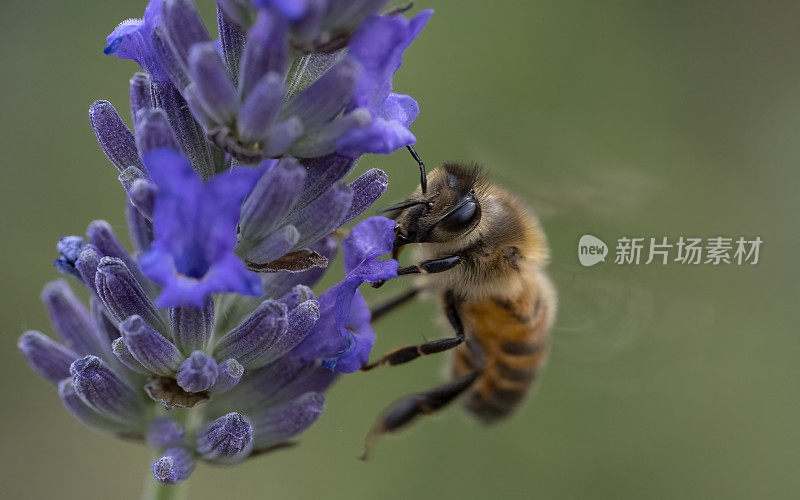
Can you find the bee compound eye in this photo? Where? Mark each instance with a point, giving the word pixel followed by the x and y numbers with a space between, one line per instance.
pixel 460 218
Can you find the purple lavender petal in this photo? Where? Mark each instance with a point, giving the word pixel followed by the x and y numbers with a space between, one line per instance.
pixel 228 438
pixel 191 326
pixel 197 373
pixel 255 335
pixel 367 188
pixel 213 83
pixel 149 347
pixel 164 432
pixel 175 466
pixel 132 40
pixel 230 373
pixel 195 232
pixel 45 356
pixel 102 390
pixel 122 295
pixel 271 199
pixel 115 139
pixel 282 422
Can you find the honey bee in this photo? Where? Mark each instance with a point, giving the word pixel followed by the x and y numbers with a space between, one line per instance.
pixel 484 254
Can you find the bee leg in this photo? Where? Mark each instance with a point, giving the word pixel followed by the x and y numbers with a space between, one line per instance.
pixel 412 352
pixel 432 266
pixel 393 304
pixel 406 409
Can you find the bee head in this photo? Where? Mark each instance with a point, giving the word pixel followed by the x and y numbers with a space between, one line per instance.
pixel 449 209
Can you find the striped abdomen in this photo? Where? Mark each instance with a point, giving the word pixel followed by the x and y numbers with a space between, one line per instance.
pixel 511 336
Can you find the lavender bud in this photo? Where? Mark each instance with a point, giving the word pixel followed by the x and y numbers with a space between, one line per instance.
pixel 81 411
pixel 274 246
pixel 259 111
pixel 191 326
pixel 101 235
pixel 174 467
pixel 46 357
pixel 230 373
pixel 69 249
pixel 149 347
pixel 142 195
pixel 184 27
pixel 140 228
pixel 87 263
pixel 323 172
pixel 326 97
pixel 213 83
pixel 300 320
pixel 197 373
pixel 255 334
pixel 130 175
pixel 237 11
pixel 115 138
pixel 140 96
pixel 164 432
pixel 71 320
pixel 101 318
pixel 264 51
pixel 323 215
pixel 191 136
pixel 297 295
pixel 324 139
pixel 123 354
pixel 367 188
pixel 228 438
pixel 271 199
pixel 122 295
pixel 286 420
pixel 282 135
pixel 153 131
pixel 100 388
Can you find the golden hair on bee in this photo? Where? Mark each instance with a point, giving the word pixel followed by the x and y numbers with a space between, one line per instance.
pixel 483 252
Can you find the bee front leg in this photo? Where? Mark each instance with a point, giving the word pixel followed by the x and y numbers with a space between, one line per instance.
pixel 412 352
pixel 432 266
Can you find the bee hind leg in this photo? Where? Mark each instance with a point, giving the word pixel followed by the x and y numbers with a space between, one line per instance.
pixel 406 409
pixel 409 353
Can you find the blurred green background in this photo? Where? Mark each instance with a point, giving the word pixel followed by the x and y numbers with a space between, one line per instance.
pixel 615 118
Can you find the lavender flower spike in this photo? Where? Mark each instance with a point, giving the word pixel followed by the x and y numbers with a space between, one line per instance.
pixel 236 162
pixel 195 232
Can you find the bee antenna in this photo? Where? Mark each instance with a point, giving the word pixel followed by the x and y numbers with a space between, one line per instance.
pixel 423 177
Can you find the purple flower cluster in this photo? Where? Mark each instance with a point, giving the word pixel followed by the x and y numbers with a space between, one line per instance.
pixel 207 342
